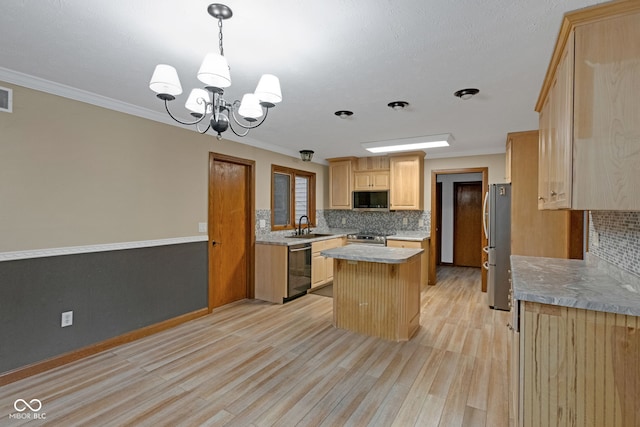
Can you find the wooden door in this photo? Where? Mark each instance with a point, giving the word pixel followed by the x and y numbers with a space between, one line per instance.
pixel 467 240
pixel 231 229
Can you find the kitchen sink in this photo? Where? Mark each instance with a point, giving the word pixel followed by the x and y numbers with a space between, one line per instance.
pixel 309 236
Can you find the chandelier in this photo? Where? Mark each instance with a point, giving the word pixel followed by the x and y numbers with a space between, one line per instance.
pixel 239 116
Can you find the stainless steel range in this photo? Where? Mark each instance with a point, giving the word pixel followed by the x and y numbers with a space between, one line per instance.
pixel 368 238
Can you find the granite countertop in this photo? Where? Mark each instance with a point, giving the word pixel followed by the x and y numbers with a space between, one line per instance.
pixel 571 283
pixel 407 235
pixel 369 253
pixel 283 240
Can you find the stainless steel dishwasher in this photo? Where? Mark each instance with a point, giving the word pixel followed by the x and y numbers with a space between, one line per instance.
pixel 299 277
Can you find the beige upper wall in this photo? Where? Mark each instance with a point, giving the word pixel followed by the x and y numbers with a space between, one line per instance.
pixel 75 174
pixel 495 163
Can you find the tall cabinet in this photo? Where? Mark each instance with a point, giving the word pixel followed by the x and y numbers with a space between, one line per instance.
pixel 341 182
pixel 548 233
pixel 589 109
pixel 406 181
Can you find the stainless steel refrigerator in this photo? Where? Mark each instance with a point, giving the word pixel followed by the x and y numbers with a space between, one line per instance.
pixel 497 229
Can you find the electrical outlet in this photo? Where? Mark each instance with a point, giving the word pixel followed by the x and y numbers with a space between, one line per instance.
pixel 67 319
pixel 595 239
pixel 405 221
pixel 263 223
pixel 344 221
pixel 202 227
pixel 421 223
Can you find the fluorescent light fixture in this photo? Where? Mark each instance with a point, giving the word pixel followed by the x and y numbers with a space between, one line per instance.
pixel 408 144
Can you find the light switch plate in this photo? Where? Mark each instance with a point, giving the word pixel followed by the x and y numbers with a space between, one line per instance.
pixel 263 223
pixel 202 227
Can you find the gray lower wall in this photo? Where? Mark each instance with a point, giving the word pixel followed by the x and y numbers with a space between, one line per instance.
pixel 111 293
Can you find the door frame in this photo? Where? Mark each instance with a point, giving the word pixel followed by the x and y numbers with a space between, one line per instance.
pixel 434 217
pixel 250 215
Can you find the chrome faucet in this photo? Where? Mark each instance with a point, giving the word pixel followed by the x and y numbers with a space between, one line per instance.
pixel 300 225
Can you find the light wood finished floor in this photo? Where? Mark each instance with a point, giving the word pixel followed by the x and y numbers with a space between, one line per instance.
pixel 257 364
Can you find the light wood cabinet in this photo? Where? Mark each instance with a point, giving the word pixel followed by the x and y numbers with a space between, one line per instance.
pixel 424 257
pixel 548 233
pixel 321 267
pixel 340 182
pixel 576 367
pixel 377 299
pixel 554 175
pixel 406 181
pixel 371 180
pixel 589 109
pixel 271 272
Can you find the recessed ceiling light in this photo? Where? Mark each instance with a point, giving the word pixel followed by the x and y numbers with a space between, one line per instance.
pixel 466 93
pixel 344 114
pixel 408 144
pixel 398 105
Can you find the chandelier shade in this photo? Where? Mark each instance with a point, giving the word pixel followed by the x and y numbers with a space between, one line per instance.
pixel 250 106
pixel 209 102
pixel 268 89
pixel 214 71
pixel 197 101
pixel 165 80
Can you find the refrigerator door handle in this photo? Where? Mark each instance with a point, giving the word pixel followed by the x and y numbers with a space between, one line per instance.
pixel 485 214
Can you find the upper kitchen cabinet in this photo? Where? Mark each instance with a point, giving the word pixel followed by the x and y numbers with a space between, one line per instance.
pixel 371 180
pixel 542 233
pixel 372 173
pixel 589 144
pixel 340 182
pixel 406 181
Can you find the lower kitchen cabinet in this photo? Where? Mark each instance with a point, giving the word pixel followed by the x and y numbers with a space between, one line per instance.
pixel 321 267
pixel 424 257
pixel 271 272
pixel 576 367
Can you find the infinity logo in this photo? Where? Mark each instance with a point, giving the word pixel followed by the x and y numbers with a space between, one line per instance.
pixel 21 405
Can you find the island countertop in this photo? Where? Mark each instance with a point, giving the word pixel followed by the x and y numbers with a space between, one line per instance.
pixel 409 236
pixel 571 283
pixel 369 253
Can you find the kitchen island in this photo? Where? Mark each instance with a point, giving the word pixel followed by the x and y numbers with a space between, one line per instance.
pixel 376 290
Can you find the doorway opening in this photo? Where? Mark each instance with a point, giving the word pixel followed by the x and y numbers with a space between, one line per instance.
pixel 456 219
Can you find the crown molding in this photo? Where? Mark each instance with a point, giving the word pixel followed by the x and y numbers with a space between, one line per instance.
pixel 58 89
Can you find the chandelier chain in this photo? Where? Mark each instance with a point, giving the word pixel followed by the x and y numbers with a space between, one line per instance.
pixel 220 36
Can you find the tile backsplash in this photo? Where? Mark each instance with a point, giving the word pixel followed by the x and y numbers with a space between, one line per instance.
pixel 363 221
pixel 617 240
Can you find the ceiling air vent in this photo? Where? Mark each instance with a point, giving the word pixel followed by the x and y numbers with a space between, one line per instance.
pixel 6 99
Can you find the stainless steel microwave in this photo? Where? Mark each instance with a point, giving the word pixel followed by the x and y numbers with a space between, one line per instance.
pixel 371 200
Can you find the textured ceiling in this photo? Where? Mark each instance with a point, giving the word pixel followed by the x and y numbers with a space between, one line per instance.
pixel 329 55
